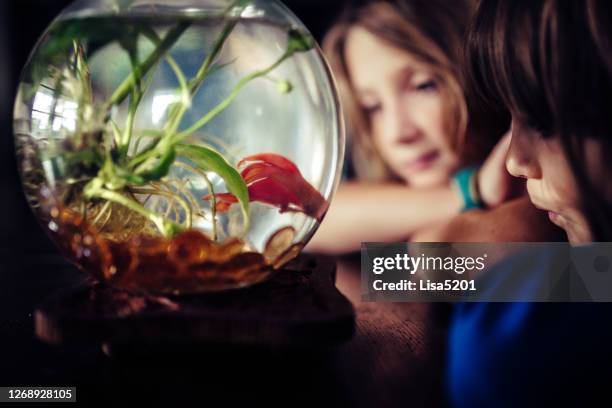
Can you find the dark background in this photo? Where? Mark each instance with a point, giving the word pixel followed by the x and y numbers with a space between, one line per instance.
pixel 30 269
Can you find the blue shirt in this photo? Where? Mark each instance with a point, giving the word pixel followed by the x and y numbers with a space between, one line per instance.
pixel 529 354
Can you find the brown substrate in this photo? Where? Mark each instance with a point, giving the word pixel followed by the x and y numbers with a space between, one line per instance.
pixel 187 263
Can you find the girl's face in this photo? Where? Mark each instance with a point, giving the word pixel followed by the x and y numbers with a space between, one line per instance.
pixel 404 108
pixel 551 183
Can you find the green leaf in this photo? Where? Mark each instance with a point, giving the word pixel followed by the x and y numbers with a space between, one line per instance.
pixel 161 168
pixel 210 160
pixel 93 31
pixel 299 41
pixel 172 36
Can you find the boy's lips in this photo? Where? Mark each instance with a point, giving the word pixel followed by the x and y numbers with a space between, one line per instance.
pixel 422 162
pixel 554 216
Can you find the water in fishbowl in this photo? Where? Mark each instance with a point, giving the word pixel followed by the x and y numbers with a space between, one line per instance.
pixel 179 147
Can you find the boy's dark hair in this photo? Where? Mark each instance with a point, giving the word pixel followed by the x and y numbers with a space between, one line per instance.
pixel 550 64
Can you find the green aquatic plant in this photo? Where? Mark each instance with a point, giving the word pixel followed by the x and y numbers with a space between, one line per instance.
pixel 108 164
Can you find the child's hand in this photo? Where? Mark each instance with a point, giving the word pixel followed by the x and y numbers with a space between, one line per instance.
pixel 495 184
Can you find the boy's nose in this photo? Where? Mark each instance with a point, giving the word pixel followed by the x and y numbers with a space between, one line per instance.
pixel 521 160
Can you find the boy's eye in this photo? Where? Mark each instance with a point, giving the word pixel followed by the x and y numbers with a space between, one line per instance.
pixel 426 86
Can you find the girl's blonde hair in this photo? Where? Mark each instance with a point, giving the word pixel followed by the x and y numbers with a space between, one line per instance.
pixel 432 31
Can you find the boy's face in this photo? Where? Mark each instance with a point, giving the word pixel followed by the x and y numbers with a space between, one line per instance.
pixel 551 183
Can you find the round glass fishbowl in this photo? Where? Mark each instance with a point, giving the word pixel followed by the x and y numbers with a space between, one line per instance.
pixel 178 146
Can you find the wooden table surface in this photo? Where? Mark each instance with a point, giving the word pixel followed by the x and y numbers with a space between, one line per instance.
pixel 395 358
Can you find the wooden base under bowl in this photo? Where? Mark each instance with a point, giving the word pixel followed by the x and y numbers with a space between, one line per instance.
pixel 300 306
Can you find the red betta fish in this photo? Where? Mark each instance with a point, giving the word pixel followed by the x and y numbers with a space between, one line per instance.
pixel 273 179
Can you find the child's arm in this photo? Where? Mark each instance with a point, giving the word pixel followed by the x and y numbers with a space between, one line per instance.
pixel 381 212
pixel 362 212
pixel 514 221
